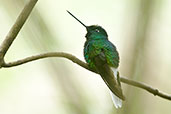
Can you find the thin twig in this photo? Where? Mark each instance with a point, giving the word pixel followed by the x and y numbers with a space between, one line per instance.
pixel 46 55
pixel 154 91
pixel 15 29
pixel 85 65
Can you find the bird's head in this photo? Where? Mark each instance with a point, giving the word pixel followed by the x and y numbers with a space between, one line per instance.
pixel 94 31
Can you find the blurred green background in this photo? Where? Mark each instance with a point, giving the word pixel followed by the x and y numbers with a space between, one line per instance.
pixel 140 29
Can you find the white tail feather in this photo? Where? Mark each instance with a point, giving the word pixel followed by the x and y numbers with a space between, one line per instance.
pixel 116 100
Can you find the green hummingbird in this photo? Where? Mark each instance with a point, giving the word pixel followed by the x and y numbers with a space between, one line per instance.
pixel 102 56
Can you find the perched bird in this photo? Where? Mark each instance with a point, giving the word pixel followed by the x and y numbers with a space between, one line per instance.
pixel 102 56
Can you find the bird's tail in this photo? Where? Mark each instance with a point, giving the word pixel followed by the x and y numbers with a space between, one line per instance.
pixel 116 100
pixel 111 78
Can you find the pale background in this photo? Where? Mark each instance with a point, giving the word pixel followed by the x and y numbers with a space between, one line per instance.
pixel 140 29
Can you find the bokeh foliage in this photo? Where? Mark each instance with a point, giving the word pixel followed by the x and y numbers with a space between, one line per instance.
pixel 139 28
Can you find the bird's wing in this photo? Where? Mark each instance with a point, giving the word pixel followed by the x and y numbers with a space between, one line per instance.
pixel 107 74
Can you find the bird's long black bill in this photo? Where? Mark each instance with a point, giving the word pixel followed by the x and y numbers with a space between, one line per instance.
pixel 76 19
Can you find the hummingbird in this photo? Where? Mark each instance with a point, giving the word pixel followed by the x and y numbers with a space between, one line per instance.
pixel 103 57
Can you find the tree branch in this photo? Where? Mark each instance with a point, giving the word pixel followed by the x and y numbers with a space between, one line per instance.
pixel 15 29
pixel 148 88
pixel 46 55
pixel 74 59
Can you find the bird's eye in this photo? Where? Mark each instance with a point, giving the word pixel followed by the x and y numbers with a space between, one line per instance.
pixel 97 30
